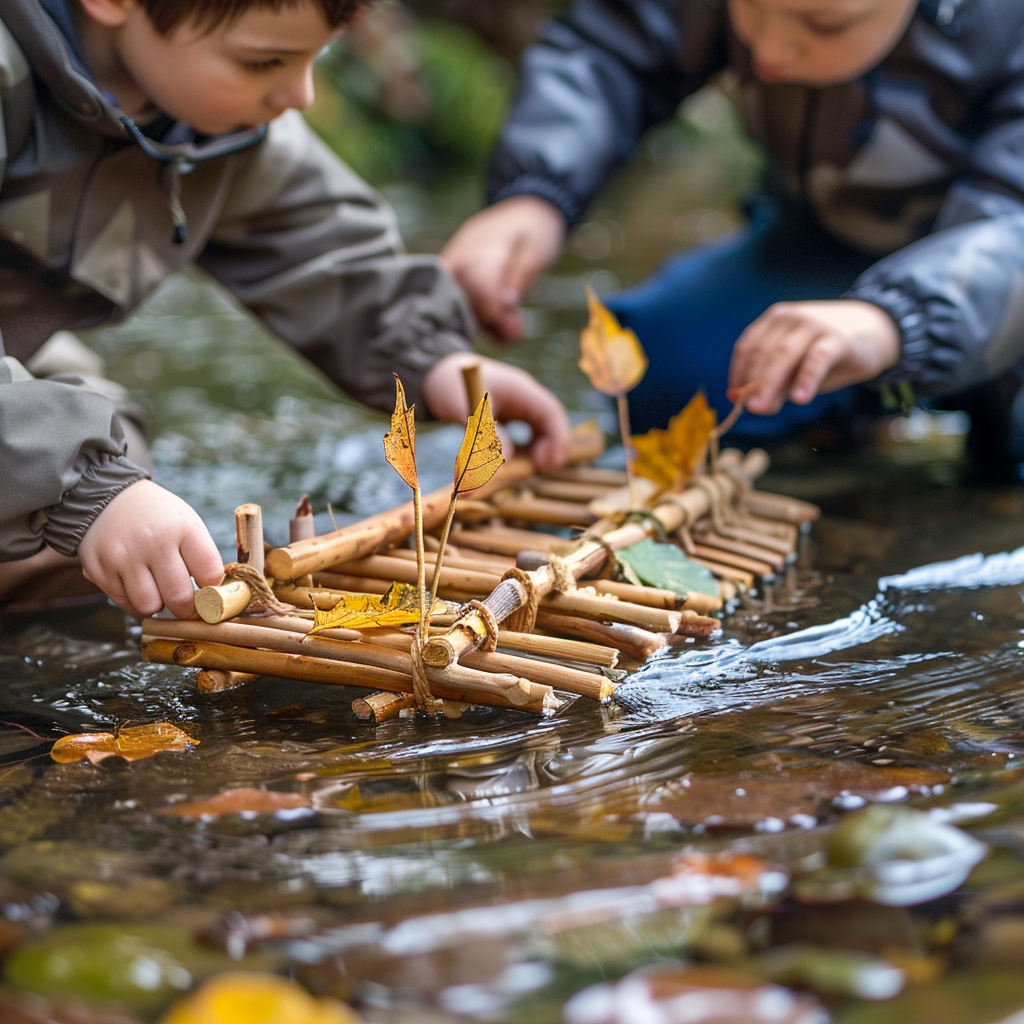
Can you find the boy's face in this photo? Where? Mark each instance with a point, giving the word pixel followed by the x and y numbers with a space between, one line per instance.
pixel 818 42
pixel 240 74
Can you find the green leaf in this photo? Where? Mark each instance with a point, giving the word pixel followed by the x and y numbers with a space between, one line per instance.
pixel 665 566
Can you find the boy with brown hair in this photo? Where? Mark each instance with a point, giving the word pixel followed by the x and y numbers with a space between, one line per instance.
pixel 143 136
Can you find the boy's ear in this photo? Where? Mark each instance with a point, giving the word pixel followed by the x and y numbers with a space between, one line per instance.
pixel 109 13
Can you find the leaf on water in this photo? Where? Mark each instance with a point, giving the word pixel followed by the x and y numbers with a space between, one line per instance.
pixel 610 355
pixel 400 606
pixel 246 800
pixel 480 456
pixel 133 744
pixel 400 444
pixel 241 997
pixel 671 457
pixel 665 566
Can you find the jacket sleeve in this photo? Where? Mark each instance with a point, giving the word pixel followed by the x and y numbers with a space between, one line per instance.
pixel 315 253
pixel 958 295
pixel 601 74
pixel 61 461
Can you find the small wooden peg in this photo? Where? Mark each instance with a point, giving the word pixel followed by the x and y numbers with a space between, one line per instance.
pixel 249 529
pixel 472 376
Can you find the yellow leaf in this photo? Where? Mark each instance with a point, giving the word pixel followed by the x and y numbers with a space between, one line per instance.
pixel 610 355
pixel 480 456
pixel 671 457
pixel 400 444
pixel 133 744
pixel 240 997
pixel 400 606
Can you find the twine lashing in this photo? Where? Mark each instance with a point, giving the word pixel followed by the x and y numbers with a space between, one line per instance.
pixel 524 618
pixel 263 600
pixel 490 625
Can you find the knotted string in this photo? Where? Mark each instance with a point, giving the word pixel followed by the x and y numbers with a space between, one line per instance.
pixel 425 699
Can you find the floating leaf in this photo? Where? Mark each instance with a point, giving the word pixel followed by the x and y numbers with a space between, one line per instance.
pixel 480 456
pixel 400 444
pixel 610 355
pixel 665 566
pixel 400 606
pixel 249 998
pixel 239 801
pixel 133 744
pixel 671 457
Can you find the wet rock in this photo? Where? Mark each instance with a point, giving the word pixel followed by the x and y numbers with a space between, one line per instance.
pixel 139 966
pixel 857 925
pixel 133 899
pixel 721 943
pixel 793 797
pixel 836 972
pixel 892 855
pixel 998 943
pixel 56 865
pixel 691 996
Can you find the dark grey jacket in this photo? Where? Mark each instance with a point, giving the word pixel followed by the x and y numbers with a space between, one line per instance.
pixel 920 162
pixel 90 225
pixel 62 459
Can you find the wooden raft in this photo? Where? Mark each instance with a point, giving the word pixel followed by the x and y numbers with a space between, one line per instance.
pixel 534 624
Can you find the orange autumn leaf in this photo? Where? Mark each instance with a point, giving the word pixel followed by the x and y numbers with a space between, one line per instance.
pixel 400 444
pixel 480 456
pixel 133 744
pixel 671 457
pixel 610 355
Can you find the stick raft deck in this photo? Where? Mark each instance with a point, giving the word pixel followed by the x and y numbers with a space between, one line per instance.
pixel 533 620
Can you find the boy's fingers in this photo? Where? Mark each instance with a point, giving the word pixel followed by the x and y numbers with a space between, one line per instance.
pixel 773 364
pixel 202 559
pixel 818 363
pixel 175 586
pixel 142 593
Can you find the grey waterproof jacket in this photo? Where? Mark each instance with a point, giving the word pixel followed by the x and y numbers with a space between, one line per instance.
pixel 94 215
pixel 920 162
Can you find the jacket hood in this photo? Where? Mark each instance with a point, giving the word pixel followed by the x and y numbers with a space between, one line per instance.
pixel 45 32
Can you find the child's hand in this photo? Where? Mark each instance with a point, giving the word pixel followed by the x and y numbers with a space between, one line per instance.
pixel 798 349
pixel 144 546
pixel 515 395
pixel 497 255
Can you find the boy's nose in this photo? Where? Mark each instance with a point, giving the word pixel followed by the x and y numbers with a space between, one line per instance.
pixel 297 94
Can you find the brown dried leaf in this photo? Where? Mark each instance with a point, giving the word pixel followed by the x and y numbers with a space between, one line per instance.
pixel 480 456
pixel 133 744
pixel 400 444
pixel 671 457
pixel 610 355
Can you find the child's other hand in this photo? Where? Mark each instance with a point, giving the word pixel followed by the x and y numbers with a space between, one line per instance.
pixel 797 350
pixel 515 395
pixel 497 255
pixel 144 546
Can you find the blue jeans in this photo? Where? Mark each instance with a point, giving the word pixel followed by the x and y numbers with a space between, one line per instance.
pixel 691 311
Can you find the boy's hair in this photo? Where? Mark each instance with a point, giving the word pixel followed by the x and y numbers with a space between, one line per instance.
pixel 167 15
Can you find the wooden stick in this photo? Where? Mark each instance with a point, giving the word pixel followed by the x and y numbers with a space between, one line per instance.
pixel 303 526
pixel 776 506
pixel 508 540
pixel 382 707
pixel 391 528
pixel 562 677
pixel 677 510
pixel 526 508
pixel 465 685
pixel 224 601
pixel 588 475
pixel 210 681
pixel 249 528
pixel 472 377
pixel 638 644
pixel 567 490
pixel 609 609
pixel 402 570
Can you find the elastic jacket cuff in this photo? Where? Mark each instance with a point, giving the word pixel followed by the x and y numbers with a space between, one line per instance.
pixel 68 520
pixel 910 318
pixel 565 202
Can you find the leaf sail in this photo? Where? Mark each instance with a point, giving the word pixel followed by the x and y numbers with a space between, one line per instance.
pixel 671 457
pixel 480 455
pixel 610 355
pixel 400 443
